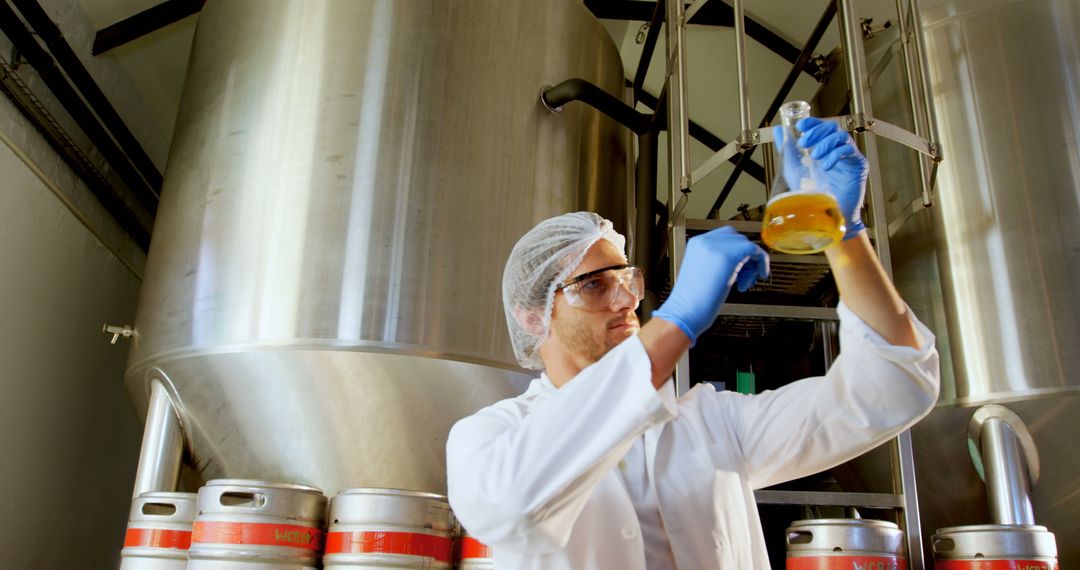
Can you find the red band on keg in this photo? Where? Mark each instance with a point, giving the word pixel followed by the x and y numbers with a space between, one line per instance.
pixel 472 548
pixel 263 534
pixel 846 563
pixel 995 565
pixel 409 543
pixel 157 538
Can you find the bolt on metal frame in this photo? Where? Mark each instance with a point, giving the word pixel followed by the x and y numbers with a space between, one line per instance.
pixel 865 127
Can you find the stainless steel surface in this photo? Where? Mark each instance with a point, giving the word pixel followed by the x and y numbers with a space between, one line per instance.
pixel 357 511
pixel 992 266
pixel 235 516
pixel 816 537
pixel 1007 486
pixel 1008 193
pixel 678 156
pixel 162 445
pixel 345 184
pixel 161 516
pixel 1026 542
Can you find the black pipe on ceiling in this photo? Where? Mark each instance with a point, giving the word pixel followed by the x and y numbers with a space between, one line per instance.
pixel 109 196
pixel 54 40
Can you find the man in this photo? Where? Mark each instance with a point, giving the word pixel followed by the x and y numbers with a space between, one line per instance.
pixel 598 465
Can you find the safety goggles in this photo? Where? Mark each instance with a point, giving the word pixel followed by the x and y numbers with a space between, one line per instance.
pixel 597 290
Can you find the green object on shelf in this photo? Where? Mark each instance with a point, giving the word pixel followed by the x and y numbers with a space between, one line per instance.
pixel 744 382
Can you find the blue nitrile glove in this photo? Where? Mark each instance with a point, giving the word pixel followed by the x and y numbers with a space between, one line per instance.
pixel 839 167
pixel 714 261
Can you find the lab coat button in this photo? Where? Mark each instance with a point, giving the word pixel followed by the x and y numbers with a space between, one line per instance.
pixel 629 532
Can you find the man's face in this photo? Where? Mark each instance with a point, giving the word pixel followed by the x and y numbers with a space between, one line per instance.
pixel 588 334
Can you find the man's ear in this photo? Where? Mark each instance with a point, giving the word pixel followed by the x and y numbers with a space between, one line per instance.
pixel 530 319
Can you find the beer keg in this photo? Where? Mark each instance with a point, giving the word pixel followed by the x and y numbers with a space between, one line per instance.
pixel 257 525
pixel 159 532
pixel 995 547
pixel 377 528
pixel 835 544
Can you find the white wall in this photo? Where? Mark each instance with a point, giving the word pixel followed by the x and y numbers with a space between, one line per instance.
pixel 69 438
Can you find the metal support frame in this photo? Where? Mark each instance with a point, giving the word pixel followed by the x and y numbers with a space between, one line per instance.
pixel 901 449
pixel 678 157
pixel 865 129
pixel 785 88
pixel 162 444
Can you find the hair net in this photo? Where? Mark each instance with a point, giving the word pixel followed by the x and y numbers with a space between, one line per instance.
pixel 541 260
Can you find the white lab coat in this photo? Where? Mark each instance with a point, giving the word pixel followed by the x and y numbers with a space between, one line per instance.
pixel 534 476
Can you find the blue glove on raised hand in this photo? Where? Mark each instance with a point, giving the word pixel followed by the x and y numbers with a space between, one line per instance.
pixel 713 263
pixel 839 167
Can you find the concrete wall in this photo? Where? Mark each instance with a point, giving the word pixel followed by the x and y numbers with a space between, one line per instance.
pixel 69 437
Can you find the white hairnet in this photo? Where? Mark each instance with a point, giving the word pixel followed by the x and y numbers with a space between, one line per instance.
pixel 541 260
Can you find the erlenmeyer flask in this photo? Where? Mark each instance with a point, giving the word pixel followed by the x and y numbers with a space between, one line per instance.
pixel 800 217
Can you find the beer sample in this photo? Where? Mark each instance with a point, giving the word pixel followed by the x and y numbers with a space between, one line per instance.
pixel 802 222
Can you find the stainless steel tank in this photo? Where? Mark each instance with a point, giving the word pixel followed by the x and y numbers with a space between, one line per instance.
pixel 347 179
pixel 994 266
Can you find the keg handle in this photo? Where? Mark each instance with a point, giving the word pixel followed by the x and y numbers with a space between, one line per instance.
pixel 800 537
pixel 242 500
pixel 159 509
pixel 943 545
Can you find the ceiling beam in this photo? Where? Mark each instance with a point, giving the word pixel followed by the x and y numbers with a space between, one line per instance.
pixel 149 20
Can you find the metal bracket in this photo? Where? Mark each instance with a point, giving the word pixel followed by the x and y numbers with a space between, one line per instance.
pixel 748 139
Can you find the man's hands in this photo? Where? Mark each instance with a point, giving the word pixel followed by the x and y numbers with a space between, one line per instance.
pixel 839 167
pixel 713 263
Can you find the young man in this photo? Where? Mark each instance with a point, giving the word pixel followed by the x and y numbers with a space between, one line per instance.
pixel 598 465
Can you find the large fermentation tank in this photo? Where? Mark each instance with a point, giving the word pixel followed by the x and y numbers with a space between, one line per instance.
pixel 994 265
pixel 347 179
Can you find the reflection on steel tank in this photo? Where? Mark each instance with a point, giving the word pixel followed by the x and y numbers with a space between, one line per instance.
pixel 346 182
pixel 994 266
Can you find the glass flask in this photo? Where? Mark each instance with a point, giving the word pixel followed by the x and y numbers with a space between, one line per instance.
pixel 803 218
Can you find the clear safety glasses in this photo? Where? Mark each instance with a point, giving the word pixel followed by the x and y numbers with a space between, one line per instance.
pixel 597 290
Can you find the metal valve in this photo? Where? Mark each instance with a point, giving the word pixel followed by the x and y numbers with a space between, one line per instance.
pixel 117 331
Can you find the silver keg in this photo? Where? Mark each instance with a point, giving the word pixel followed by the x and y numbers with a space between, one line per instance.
pixel 158 532
pixel 835 544
pixel 473 554
pixel 257 525
pixel 995 547
pixel 379 528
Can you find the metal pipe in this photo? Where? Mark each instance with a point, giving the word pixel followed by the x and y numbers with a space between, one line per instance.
pixel 678 157
pixel 861 112
pixel 1008 488
pixel 645 196
pixel 743 73
pixel 162 445
pixel 580 90
pixel 851 40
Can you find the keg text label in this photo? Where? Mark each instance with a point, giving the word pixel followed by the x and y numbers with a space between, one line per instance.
pixel 826 562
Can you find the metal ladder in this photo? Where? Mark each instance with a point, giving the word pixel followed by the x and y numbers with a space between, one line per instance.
pixel 862 123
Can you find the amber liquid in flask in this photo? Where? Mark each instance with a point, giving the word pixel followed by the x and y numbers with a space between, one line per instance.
pixel 799 217
pixel 802 222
